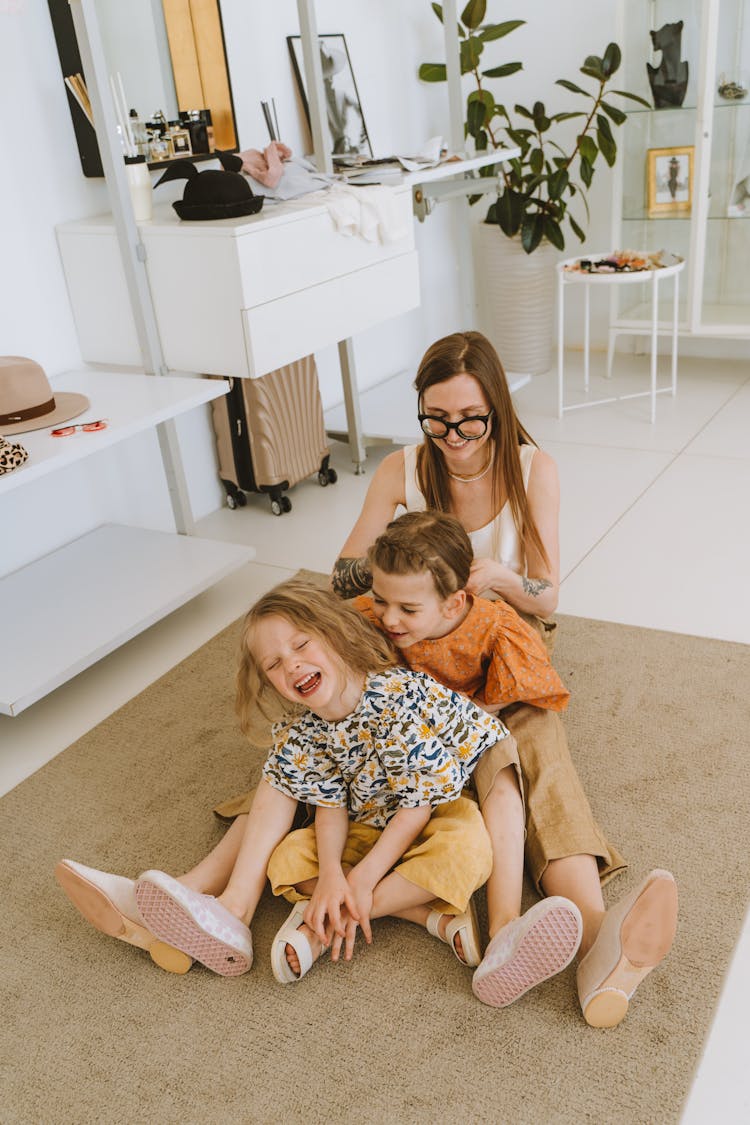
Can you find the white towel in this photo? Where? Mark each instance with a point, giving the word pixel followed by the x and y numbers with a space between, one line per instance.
pixel 371 212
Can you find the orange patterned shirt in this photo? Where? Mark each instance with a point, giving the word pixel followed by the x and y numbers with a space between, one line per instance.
pixel 493 656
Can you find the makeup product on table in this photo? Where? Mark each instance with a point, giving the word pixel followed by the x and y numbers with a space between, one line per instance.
pixel 139 182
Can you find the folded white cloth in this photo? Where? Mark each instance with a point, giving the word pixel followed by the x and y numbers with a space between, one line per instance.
pixel 370 212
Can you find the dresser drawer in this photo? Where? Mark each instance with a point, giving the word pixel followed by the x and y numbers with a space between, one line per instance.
pixel 281 331
pixel 275 261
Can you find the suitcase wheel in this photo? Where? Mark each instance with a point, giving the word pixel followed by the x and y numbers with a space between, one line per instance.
pixel 327 476
pixel 236 500
pixel 281 505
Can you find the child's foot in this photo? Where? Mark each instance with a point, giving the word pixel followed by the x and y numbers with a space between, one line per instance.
pixel 108 902
pixel 635 936
pixel 527 951
pixel 459 931
pixel 195 923
pixel 295 948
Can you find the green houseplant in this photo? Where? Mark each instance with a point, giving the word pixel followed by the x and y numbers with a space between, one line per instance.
pixel 536 187
pixel 524 229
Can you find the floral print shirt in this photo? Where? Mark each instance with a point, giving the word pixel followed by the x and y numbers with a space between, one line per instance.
pixel 409 742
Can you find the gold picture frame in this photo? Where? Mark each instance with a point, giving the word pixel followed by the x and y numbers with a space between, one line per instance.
pixel 669 177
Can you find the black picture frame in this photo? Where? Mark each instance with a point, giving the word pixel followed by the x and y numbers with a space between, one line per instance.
pixel 347 131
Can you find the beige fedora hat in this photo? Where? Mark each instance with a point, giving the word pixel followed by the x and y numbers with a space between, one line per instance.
pixel 27 401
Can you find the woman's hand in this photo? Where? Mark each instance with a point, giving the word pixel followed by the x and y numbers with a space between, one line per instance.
pixel 360 888
pixel 487 574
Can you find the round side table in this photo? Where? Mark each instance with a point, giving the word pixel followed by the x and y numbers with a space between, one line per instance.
pixel 568 276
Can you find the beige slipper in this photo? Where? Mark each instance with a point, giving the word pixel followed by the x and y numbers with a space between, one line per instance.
pixel 635 936
pixel 467 928
pixel 108 902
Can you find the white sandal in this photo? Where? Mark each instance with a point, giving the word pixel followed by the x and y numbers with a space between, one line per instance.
pixel 289 934
pixel 466 926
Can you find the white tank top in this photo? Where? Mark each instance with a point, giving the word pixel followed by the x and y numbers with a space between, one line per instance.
pixel 499 538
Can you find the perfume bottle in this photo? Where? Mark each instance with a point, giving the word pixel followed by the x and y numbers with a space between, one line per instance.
pixel 180 139
pixel 140 133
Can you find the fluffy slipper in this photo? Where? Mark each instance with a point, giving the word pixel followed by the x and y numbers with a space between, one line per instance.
pixel 195 923
pixel 635 936
pixel 528 950
pixel 108 903
pixel 467 928
pixel 289 934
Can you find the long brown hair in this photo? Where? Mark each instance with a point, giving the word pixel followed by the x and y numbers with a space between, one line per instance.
pixel 360 647
pixel 432 541
pixel 472 353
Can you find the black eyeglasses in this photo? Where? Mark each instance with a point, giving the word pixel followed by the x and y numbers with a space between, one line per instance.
pixel 468 428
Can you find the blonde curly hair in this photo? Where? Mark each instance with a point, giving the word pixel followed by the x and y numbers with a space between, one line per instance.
pixel 357 644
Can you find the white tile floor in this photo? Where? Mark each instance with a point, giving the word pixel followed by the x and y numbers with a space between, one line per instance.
pixel 655 532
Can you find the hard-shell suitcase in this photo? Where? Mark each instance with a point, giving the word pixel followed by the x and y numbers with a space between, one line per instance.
pixel 270 434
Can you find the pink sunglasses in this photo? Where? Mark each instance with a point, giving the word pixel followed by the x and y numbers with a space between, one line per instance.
pixel 87 427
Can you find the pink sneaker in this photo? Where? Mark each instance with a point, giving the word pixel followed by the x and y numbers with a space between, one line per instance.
pixel 195 923
pixel 527 951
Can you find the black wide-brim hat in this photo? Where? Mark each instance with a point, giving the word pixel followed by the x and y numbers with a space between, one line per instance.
pixel 213 194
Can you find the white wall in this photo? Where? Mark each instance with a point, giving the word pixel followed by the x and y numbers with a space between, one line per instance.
pixel 41 184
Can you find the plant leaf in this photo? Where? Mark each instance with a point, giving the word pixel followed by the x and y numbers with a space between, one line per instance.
pixel 432 72
pixel 567 116
pixel 557 183
pixel 587 172
pixel 614 113
pixel 474 13
pixel 607 146
pixel 553 232
pixel 522 111
pixel 541 121
pixel 536 161
pixel 594 66
pixel 532 232
pixel 633 97
pixel 498 30
pixel 438 10
pixel 471 49
pixel 612 59
pixel 503 71
pixel 476 113
pixel 509 212
pixel 581 236
pixel 587 148
pixel 572 86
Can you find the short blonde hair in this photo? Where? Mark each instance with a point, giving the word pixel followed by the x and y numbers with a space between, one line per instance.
pixel 359 646
pixel 418 541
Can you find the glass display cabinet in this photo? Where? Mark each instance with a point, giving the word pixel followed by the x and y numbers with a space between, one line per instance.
pixel 683 180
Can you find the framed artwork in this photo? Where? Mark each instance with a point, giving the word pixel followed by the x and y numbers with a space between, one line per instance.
pixel 670 180
pixel 346 122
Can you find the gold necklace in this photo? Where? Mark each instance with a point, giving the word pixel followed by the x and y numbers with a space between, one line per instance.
pixel 477 476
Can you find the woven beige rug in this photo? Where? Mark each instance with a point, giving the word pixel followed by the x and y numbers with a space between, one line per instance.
pixel 91 1031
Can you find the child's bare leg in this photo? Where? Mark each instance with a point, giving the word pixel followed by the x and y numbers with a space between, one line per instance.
pixel 502 811
pixel 576 877
pixel 211 875
pixel 269 820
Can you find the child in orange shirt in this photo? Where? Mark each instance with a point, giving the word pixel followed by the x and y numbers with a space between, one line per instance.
pixel 420 567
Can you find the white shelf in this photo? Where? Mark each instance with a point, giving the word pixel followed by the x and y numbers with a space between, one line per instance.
pixel 131 402
pixel 389 410
pixel 69 609
pixel 72 607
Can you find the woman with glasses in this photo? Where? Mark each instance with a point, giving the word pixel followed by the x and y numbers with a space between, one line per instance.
pixel 479 463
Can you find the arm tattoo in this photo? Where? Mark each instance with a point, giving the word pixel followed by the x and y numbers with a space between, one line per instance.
pixel 534 586
pixel 351 577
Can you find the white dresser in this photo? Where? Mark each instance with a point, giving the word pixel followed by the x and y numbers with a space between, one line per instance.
pixel 239 297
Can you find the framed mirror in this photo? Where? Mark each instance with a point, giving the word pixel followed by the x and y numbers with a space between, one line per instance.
pixel 170 57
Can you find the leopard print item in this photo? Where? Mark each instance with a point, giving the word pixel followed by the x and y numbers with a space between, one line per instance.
pixel 12 454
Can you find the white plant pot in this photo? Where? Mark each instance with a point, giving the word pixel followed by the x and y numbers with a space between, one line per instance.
pixel 516 299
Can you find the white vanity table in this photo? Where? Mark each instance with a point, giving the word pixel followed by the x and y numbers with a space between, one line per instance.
pixel 70 608
pixel 238 297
